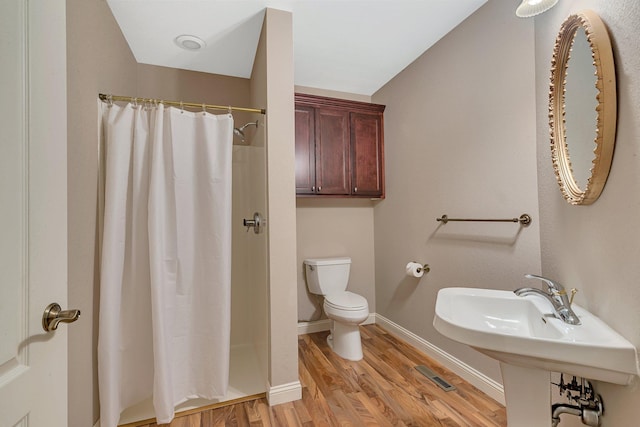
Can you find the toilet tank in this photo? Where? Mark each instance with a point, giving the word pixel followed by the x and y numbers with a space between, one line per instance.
pixel 327 275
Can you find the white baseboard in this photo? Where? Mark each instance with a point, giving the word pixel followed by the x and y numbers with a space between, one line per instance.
pixel 284 393
pixel 314 326
pixel 325 325
pixel 489 386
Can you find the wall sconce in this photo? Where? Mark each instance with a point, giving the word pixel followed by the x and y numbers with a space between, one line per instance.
pixel 529 8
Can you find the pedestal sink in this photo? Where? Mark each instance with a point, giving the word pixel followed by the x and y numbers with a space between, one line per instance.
pixel 523 334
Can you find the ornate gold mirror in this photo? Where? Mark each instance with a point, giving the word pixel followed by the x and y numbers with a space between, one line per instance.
pixel 582 107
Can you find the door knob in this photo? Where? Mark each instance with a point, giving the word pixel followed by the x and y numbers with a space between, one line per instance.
pixel 53 315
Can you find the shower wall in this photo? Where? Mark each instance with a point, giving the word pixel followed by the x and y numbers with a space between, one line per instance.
pixel 249 249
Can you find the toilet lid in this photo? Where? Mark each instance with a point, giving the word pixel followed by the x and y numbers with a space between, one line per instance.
pixel 346 301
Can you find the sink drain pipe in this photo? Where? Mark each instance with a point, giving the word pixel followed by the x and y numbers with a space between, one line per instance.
pixel 589 408
pixel 590 417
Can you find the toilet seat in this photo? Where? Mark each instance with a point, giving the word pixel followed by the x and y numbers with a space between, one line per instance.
pixel 347 301
pixel 346 307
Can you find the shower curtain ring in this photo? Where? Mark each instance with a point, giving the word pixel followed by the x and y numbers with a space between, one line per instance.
pixel 204 109
pixel 181 107
pixel 110 100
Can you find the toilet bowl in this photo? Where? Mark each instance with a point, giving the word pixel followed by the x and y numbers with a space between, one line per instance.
pixel 347 310
pixel 329 277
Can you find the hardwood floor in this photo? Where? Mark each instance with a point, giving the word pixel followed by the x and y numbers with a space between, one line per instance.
pixel 383 389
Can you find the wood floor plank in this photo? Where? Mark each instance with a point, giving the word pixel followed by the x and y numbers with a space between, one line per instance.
pixel 286 415
pixel 383 417
pixel 217 417
pixel 266 415
pixel 314 398
pixel 303 412
pixel 323 371
pixel 383 389
pixel 318 409
pixel 459 417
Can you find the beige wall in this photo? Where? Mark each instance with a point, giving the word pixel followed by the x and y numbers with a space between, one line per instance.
pixel 459 140
pixel 335 227
pixel 596 248
pixel 98 59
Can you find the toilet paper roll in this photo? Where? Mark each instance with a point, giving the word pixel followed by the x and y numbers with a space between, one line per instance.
pixel 414 269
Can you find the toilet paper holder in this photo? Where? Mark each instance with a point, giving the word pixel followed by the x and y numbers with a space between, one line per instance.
pixel 425 267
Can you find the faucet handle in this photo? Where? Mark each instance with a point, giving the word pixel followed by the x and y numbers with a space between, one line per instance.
pixel 554 288
pixel 574 291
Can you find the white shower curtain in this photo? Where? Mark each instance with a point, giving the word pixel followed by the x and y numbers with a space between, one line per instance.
pixel 166 259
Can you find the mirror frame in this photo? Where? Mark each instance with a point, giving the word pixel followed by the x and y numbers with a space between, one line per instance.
pixel 606 109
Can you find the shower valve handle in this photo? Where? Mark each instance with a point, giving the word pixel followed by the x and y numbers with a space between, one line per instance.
pixel 258 223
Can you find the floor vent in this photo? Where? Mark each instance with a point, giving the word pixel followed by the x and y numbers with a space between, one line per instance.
pixel 435 378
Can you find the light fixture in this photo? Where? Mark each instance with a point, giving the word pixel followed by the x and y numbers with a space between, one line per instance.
pixel 189 42
pixel 529 8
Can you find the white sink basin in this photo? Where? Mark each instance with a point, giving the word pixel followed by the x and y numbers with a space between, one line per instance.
pixel 522 331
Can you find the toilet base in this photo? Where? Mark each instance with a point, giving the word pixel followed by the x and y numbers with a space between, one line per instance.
pixel 345 341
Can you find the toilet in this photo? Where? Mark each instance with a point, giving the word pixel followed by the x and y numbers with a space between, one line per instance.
pixel 329 277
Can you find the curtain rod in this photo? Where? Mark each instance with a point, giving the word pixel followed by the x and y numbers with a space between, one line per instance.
pixel 107 98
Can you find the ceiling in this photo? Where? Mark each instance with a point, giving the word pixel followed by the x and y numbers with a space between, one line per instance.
pixel 352 46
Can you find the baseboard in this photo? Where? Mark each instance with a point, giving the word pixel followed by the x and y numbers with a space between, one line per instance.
pixel 314 326
pixel 488 386
pixel 325 325
pixel 284 393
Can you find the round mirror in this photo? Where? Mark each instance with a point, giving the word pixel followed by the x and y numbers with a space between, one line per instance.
pixel 582 107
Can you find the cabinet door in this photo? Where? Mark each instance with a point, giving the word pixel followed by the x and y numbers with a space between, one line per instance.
pixel 332 152
pixel 367 170
pixel 305 150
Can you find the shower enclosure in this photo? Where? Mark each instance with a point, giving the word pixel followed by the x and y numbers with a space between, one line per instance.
pixel 249 306
pixel 263 298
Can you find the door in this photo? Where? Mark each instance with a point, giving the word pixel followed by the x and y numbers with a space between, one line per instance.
pixel 332 151
pixel 305 150
pixel 367 175
pixel 33 218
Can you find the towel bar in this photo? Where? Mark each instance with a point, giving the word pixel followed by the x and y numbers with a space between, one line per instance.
pixel 524 219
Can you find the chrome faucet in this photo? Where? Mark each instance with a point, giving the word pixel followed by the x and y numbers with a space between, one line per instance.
pixel 556 295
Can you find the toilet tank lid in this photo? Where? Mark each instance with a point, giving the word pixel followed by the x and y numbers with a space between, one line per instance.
pixel 328 261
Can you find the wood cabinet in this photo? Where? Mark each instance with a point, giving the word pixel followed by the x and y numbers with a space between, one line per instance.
pixel 339 147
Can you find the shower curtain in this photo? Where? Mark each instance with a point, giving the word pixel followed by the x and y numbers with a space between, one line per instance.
pixel 164 323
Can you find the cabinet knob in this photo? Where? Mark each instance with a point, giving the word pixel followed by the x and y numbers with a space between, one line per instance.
pixel 355 190
pixel 313 188
pixel 319 188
